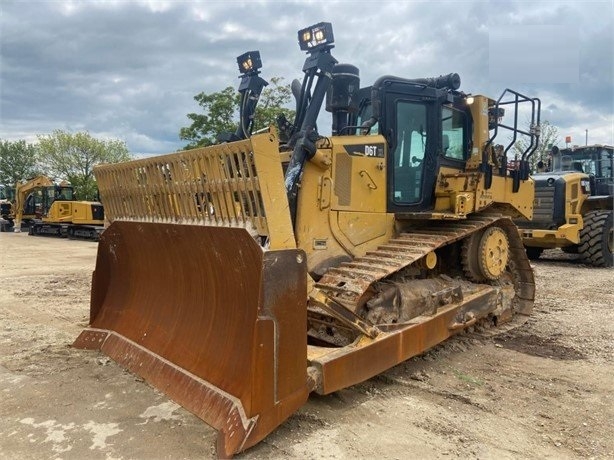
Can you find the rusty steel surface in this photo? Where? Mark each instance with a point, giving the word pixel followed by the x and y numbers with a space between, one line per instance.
pixel 200 314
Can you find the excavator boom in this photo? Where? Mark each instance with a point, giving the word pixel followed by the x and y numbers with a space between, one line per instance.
pixel 21 192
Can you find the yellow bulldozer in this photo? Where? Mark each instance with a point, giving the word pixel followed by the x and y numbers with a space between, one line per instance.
pixel 239 278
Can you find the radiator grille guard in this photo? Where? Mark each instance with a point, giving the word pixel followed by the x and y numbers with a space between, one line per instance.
pixel 238 184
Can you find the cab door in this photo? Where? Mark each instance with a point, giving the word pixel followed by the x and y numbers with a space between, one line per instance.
pixel 410 126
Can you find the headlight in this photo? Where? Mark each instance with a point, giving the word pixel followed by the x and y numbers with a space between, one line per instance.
pixel 249 61
pixel 315 37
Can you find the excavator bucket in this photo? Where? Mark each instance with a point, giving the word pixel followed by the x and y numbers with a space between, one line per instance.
pixel 184 291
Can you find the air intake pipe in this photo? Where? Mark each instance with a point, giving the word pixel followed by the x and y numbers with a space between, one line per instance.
pixel 341 96
pixel 451 81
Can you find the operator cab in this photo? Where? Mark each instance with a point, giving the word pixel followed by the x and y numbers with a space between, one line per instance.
pixel 429 130
pixel 39 201
pixel 425 127
pixel 595 160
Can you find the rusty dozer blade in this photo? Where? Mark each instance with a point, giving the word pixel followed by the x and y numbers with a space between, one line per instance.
pixel 195 311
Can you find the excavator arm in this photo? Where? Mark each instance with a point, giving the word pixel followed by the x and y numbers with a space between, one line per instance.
pixel 21 193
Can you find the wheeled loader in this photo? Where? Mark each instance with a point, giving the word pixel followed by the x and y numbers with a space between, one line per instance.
pixel 573 207
pixel 239 278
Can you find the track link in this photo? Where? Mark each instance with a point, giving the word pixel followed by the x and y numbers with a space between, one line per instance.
pixel 350 282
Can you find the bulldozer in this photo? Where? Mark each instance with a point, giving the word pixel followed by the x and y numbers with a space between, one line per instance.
pixel 51 210
pixel 573 206
pixel 240 277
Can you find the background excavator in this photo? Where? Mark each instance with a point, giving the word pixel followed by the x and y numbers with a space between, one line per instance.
pixel 52 210
pixel 7 197
pixel 28 201
pixel 240 277
pixel 573 206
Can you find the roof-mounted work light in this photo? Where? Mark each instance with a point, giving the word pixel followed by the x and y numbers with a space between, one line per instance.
pixel 249 62
pixel 316 37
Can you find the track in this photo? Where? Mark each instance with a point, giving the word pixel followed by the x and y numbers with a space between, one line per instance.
pixel 70 231
pixel 350 283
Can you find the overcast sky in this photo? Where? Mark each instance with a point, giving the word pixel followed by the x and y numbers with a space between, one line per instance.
pixel 130 69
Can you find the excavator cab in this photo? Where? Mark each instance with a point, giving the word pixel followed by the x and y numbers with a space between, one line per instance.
pixel 38 202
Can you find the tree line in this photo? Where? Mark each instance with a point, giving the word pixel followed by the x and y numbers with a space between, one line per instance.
pixel 60 155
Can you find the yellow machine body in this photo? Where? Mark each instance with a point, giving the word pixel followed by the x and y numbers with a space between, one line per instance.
pixel 573 208
pixel 201 258
pixel 240 277
pixel 73 212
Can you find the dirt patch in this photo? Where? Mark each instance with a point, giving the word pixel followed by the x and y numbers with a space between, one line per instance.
pixel 546 347
pixel 543 390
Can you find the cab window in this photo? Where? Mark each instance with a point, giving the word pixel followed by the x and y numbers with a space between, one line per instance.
pixel 365 113
pixel 452 133
pixel 606 164
pixel 409 152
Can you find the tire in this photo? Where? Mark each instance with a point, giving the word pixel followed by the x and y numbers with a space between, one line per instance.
pixel 533 253
pixel 596 239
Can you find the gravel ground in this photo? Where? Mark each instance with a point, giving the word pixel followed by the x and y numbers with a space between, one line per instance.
pixel 543 390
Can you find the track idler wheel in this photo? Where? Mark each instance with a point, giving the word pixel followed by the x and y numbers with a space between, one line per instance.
pixel 486 254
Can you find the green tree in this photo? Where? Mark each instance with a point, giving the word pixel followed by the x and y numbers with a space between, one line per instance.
pixel 18 160
pixel 73 157
pixel 221 113
pixel 272 103
pixel 549 136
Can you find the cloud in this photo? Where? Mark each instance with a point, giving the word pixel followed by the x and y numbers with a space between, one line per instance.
pixel 129 70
